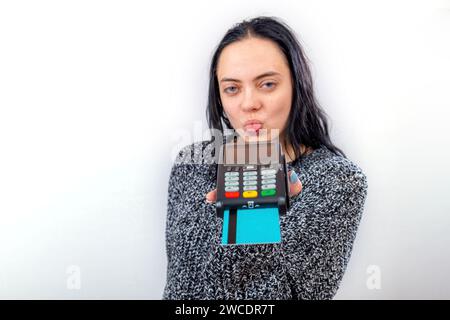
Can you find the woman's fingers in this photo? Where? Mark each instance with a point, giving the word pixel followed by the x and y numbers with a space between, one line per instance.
pixel 295 186
pixel 211 196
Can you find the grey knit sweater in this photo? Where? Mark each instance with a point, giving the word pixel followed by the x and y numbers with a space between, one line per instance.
pixel 318 232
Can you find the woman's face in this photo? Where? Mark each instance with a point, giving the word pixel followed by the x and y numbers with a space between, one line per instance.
pixel 255 87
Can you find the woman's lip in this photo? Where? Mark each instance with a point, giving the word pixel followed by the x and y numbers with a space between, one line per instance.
pixel 253 121
pixel 252 125
pixel 252 129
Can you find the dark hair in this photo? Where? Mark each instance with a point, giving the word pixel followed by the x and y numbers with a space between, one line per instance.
pixel 307 122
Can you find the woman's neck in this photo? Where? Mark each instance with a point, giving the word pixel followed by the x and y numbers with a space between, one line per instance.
pixel 289 152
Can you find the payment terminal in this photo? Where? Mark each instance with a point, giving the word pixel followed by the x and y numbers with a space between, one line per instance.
pixel 252 191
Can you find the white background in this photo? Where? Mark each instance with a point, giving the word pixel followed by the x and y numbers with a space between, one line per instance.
pixel 96 97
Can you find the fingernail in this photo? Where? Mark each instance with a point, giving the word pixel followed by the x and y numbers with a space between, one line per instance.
pixel 294 177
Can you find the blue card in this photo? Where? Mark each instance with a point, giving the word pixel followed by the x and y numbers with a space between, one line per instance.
pixel 251 226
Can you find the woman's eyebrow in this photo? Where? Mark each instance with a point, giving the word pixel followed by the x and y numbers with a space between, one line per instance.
pixel 265 74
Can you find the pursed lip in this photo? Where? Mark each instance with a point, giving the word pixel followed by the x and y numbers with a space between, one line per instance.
pixel 252 122
pixel 253 126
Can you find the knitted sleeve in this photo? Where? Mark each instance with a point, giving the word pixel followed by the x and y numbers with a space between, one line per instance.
pixel 322 224
pixel 175 194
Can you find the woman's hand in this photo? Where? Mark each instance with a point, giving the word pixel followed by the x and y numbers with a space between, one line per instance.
pixel 295 187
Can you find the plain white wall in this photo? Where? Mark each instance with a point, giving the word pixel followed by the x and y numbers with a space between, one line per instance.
pixel 96 97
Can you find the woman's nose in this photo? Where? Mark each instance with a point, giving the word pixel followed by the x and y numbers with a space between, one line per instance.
pixel 250 101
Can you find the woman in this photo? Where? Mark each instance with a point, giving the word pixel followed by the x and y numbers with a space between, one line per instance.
pixel 260 79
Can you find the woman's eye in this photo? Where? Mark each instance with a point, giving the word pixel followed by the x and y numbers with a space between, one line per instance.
pixel 271 84
pixel 230 89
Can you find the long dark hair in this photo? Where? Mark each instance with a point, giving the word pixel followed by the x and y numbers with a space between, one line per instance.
pixel 307 122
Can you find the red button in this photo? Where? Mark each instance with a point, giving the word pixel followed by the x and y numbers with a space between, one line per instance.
pixel 231 194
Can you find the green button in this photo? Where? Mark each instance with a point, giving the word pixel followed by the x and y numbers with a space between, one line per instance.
pixel 268 192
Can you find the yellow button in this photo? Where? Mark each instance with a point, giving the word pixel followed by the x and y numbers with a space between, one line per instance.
pixel 250 194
